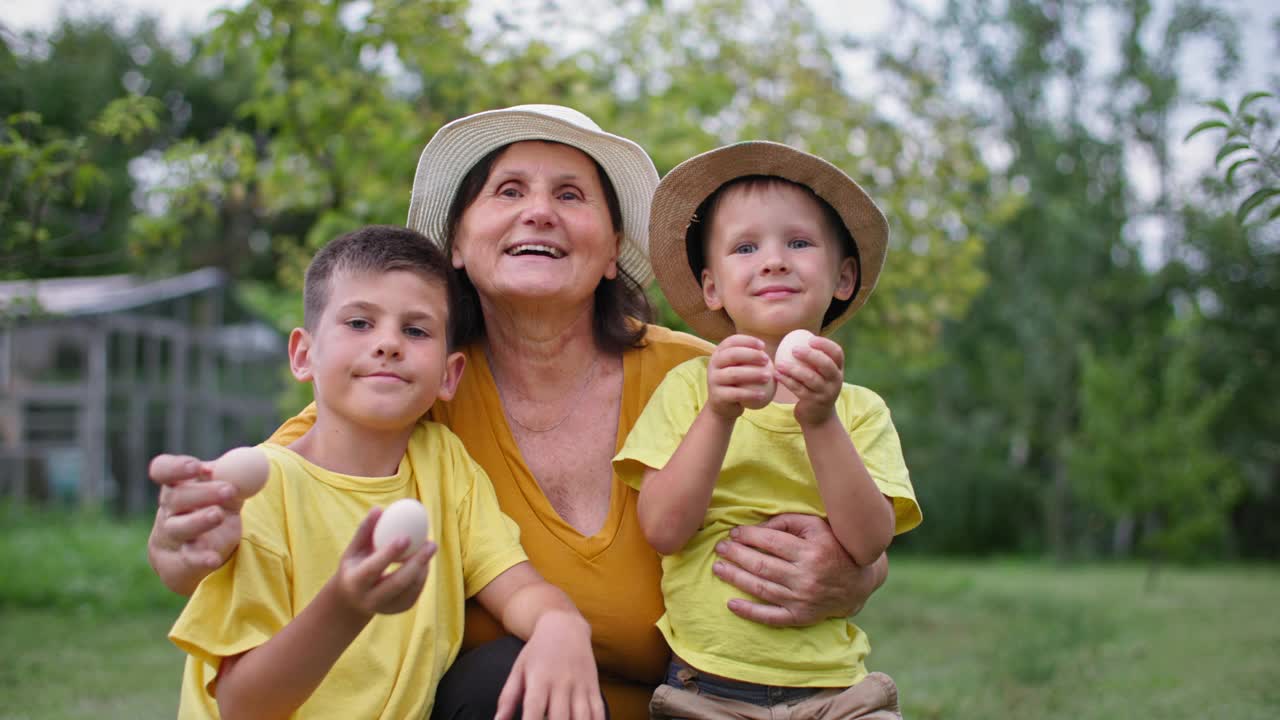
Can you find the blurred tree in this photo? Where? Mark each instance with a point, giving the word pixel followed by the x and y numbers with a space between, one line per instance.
pixel 91 100
pixel 47 175
pixel 1231 284
pixel 1063 253
pixel 1231 281
pixel 1145 449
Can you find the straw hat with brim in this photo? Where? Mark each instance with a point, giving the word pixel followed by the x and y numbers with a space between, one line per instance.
pixel 458 146
pixel 694 180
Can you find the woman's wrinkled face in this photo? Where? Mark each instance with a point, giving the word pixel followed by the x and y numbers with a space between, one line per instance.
pixel 539 228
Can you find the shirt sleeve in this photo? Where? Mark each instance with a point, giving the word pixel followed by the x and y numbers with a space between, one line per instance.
pixel 490 538
pixel 876 440
pixel 663 423
pixel 245 602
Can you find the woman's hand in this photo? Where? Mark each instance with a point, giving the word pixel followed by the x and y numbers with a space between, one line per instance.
pixel 795 565
pixel 555 674
pixel 197 524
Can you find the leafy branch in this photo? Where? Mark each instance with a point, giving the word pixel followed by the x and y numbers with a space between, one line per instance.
pixel 1249 151
pixel 42 168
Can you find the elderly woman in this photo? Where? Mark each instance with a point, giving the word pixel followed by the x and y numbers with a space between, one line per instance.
pixel 545 217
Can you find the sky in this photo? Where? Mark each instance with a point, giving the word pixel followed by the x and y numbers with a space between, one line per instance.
pixel 872 17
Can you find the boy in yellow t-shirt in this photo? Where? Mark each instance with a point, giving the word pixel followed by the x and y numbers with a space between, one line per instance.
pixel 751 242
pixel 307 618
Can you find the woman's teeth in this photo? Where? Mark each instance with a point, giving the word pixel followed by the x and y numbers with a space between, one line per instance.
pixel 545 250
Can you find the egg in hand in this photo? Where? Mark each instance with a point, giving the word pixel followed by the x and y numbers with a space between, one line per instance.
pixel 403 518
pixel 246 468
pixel 786 352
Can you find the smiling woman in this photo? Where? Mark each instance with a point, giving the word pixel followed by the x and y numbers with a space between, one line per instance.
pixel 545 217
pixel 535 222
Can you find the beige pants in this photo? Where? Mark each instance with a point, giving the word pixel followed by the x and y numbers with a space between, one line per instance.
pixel 875 698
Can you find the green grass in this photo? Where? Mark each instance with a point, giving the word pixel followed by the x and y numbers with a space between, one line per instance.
pixel 73 561
pixel 1029 640
pixel 83 624
pixel 64 665
pixel 83 620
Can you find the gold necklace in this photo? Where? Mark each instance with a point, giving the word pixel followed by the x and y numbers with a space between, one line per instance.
pixel 591 373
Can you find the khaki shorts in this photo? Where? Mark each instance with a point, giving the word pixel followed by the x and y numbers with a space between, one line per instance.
pixel 875 698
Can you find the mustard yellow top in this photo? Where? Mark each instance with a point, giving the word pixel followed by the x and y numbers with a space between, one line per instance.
pixel 295 531
pixel 766 472
pixel 613 576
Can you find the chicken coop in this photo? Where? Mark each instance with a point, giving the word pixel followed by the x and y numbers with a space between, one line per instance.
pixel 99 374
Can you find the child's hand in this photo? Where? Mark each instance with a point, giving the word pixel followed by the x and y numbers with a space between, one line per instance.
pixel 739 376
pixel 555 674
pixel 362 581
pixel 816 378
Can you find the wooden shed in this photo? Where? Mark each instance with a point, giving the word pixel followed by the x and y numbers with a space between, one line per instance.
pixel 99 374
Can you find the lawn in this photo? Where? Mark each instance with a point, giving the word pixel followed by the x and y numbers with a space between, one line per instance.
pixel 83 622
pixel 1033 640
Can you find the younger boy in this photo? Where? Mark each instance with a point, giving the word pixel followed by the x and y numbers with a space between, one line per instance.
pixel 301 621
pixel 751 242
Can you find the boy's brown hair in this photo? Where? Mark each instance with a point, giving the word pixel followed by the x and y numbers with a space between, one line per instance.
pixel 377 249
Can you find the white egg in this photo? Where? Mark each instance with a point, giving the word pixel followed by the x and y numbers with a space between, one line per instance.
pixel 244 467
pixel 402 518
pixel 787 348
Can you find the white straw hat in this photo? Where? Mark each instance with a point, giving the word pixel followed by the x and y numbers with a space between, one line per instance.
pixel 691 182
pixel 459 145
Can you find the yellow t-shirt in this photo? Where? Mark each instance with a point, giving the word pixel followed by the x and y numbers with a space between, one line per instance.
pixel 295 531
pixel 766 472
pixel 613 576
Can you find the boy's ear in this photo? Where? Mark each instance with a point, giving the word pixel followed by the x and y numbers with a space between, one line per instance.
pixel 454 364
pixel 710 293
pixel 846 280
pixel 300 354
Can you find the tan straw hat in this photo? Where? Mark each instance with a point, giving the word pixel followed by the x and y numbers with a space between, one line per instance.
pixel 459 145
pixel 694 180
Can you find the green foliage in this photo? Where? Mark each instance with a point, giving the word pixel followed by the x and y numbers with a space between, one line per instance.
pixel 43 169
pixel 79 562
pixel 990 432
pixel 128 117
pixel 1249 141
pixel 1145 448
pixel 1232 281
pixel 40 168
pixel 106 94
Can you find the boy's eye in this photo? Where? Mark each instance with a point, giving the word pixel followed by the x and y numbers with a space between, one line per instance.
pixel 416 332
pixel 799 243
pixel 744 249
pixel 359 324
